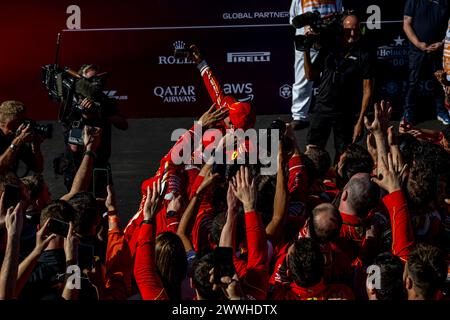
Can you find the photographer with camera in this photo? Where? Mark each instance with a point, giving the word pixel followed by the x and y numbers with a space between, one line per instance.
pixel 302 89
pixel 19 140
pixel 346 73
pixel 90 107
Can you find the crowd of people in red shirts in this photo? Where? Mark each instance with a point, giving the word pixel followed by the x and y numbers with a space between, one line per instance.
pixel 375 225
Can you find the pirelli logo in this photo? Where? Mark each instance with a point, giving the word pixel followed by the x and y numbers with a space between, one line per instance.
pixel 248 57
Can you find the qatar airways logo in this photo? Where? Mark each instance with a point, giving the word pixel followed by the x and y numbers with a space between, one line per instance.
pixel 248 57
pixel 234 146
pixel 176 94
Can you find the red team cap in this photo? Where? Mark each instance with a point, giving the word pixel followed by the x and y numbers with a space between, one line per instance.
pixel 241 115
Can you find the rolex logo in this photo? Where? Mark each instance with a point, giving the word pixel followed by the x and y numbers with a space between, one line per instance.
pixel 178 45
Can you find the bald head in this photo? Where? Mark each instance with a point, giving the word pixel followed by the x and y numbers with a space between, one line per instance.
pixel 362 194
pixel 326 223
pixel 351 29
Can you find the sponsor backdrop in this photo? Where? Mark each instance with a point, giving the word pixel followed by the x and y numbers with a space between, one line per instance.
pixel 248 43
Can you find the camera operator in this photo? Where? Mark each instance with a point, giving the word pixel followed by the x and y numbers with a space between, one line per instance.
pixel 94 109
pixel 346 70
pixel 302 89
pixel 18 141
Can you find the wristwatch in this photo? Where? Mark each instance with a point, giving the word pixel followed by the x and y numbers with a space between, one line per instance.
pixel 13 147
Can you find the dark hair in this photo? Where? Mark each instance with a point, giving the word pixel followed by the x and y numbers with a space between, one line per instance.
pixel 201 276
pixel 435 156
pixel 320 159
pixel 35 184
pixel 391 277
pixel 58 209
pixel 306 262
pixel 220 220
pixel 363 194
pixel 328 230
pixel 427 267
pixel 357 160
pixel 8 178
pixel 88 216
pixel 409 147
pixel 421 185
pixel 171 263
pixel 266 194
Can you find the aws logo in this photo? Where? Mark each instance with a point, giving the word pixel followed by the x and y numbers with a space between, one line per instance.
pixel 239 89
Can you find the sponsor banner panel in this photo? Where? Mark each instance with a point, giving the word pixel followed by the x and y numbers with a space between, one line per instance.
pixel 150 81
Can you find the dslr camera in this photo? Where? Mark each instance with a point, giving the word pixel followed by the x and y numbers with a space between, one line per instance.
pixel 326 30
pixel 45 130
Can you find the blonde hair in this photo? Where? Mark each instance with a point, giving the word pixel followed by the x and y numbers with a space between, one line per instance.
pixel 11 109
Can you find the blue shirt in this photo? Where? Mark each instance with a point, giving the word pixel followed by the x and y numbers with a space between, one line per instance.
pixel 429 19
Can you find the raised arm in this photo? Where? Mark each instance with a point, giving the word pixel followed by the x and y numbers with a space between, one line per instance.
pixel 275 227
pixel 9 269
pixel 228 235
pixel 390 180
pixel 257 274
pixel 84 174
pixel 379 128
pixel 27 266
pixel 147 279
pixel 9 156
pixel 71 242
pixel 204 180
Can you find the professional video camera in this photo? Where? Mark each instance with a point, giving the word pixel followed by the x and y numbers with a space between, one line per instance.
pixel 68 86
pixel 63 84
pixel 326 30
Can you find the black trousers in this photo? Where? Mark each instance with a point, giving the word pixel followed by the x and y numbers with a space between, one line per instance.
pixel 320 130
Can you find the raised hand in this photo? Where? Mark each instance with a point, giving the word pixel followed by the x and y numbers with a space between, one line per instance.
pixel 176 204
pixel 209 180
pixel 382 116
pixel 152 201
pixel 71 246
pixel 244 188
pixel 390 174
pixel 209 119
pixel 232 200
pixel 110 202
pixel 371 147
pixel 24 134
pixel 43 238
pixel 91 138
pixel 195 54
pixel 14 220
